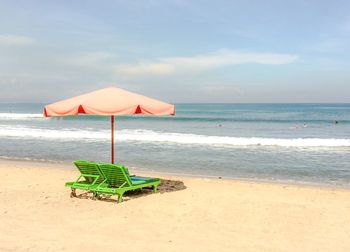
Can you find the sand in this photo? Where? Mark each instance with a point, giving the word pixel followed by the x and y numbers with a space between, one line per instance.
pixel 37 214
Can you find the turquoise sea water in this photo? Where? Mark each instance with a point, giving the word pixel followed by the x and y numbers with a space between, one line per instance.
pixel 289 142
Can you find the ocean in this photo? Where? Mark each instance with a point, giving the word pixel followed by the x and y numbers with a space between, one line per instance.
pixel 301 143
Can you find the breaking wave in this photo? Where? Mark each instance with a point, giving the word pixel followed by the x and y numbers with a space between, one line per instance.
pixel 19 116
pixel 125 135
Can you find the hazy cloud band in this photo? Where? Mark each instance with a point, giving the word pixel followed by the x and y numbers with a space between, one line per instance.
pixel 164 66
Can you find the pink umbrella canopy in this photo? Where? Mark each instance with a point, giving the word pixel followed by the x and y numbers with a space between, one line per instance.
pixel 109 102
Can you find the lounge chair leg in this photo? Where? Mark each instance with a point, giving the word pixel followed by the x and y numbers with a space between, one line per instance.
pixel 73 194
pixel 154 189
pixel 120 198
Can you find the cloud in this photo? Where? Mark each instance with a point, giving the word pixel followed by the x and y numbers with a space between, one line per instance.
pixel 10 40
pixel 224 57
pixel 330 45
pixel 145 68
pixel 84 63
pixel 88 59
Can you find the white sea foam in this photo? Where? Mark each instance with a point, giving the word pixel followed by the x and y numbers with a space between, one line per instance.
pixel 19 116
pixel 164 137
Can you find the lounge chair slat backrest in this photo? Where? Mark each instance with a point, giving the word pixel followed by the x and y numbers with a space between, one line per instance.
pixel 116 175
pixel 89 168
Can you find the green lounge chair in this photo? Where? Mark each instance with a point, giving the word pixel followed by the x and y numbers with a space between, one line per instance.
pixel 91 174
pixel 118 181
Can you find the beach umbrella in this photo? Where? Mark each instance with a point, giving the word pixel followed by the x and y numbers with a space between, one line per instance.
pixel 110 101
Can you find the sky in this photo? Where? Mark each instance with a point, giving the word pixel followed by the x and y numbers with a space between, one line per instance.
pixel 177 51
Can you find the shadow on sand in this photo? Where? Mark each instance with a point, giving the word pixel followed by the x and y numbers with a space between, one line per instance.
pixel 165 186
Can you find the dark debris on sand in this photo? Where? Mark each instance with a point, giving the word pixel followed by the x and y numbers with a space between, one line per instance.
pixel 165 186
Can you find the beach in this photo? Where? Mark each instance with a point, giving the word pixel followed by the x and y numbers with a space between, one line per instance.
pixel 210 214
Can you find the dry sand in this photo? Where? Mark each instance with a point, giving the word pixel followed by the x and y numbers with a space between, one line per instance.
pixel 37 214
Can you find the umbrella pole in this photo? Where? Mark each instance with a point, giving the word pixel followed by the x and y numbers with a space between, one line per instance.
pixel 112 145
